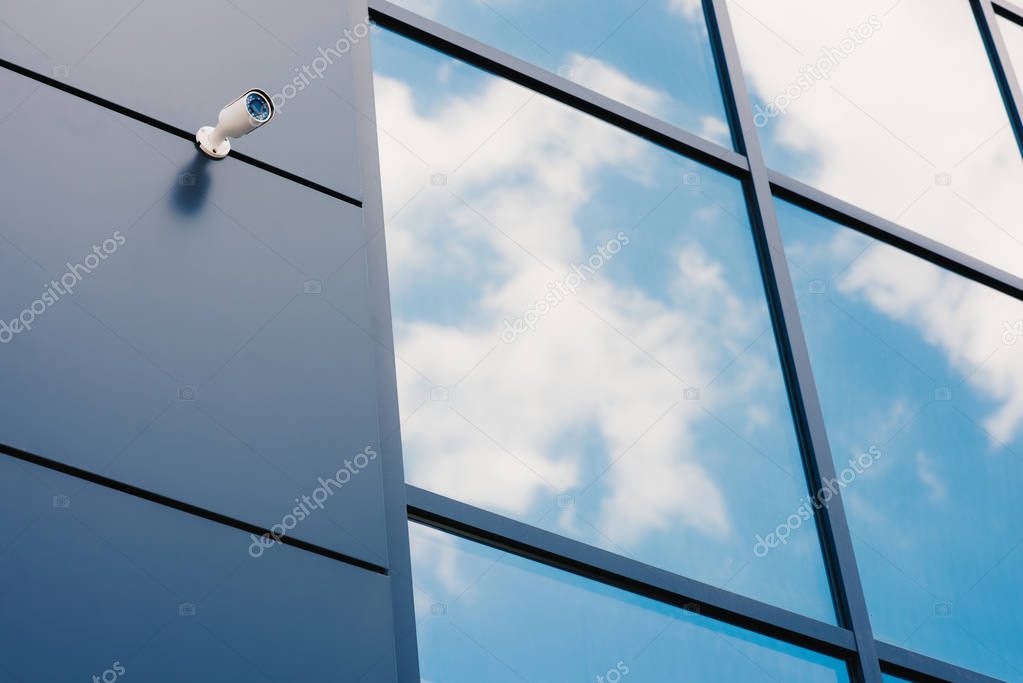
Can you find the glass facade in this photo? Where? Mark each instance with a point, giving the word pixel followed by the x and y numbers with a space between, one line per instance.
pixel 488 615
pixel 615 378
pixel 920 369
pixel 655 408
pixel 652 56
pixel 845 98
pixel 660 340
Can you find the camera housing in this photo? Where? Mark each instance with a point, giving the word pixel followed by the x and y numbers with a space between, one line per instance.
pixel 242 116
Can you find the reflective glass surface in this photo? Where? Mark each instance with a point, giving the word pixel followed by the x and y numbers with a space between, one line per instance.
pixel 924 370
pixel 486 615
pixel 100 585
pixel 892 106
pixel 582 338
pixel 653 56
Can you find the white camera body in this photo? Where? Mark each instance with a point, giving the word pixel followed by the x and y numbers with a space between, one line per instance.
pixel 247 113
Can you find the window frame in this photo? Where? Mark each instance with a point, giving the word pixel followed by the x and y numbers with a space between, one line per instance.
pixel 853 639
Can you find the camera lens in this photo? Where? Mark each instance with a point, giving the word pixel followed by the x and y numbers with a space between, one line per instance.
pixel 257 106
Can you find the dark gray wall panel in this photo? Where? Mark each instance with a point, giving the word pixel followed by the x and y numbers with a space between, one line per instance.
pixel 92 577
pixel 181 61
pixel 13 92
pixel 219 355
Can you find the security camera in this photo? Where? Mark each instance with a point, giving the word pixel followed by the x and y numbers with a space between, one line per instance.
pixel 241 117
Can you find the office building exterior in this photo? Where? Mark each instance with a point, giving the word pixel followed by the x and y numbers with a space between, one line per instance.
pixel 653 340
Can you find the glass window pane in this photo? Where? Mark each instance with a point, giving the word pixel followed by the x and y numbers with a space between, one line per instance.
pixel 652 56
pixel 98 581
pixel 486 615
pixel 582 337
pixel 922 370
pixel 892 106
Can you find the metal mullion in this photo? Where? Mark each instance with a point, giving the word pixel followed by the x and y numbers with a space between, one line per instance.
pixel 1009 10
pixel 462 47
pixel 913 665
pixel 483 56
pixel 852 216
pixel 610 568
pixel 1001 65
pixel 834 529
pixel 856 643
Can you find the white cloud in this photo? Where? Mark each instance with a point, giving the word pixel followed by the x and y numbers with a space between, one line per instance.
pixel 927 474
pixel 713 128
pixel 507 437
pixel 607 80
pixel 914 100
pixel 690 9
pixel 964 319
